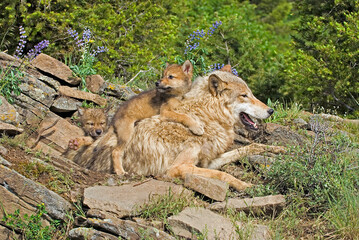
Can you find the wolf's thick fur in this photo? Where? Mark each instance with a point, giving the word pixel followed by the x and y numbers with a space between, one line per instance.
pixel 176 81
pixel 164 148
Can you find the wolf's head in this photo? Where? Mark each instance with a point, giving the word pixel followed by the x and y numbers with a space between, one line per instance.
pixel 176 80
pixel 241 99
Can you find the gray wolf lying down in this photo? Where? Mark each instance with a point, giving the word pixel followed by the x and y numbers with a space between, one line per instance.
pixel 168 149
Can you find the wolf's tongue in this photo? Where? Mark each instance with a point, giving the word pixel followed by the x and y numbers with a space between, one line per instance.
pixel 248 118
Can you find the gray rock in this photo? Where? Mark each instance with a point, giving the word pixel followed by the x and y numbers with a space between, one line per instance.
pixel 65 104
pixel 20 192
pixel 193 221
pixel 121 201
pixel 83 233
pixel 301 123
pixel 271 205
pixel 74 93
pixel 3 161
pixel 50 81
pixel 123 228
pixel 119 91
pixel 278 134
pixel 212 188
pixel 260 160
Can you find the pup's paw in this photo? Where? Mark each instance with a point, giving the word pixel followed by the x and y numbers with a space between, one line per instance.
pixel 197 128
pixel 120 172
pixel 73 144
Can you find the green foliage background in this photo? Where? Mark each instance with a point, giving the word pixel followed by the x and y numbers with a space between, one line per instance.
pixel 306 51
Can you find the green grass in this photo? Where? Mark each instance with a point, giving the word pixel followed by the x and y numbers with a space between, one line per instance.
pixel 284 113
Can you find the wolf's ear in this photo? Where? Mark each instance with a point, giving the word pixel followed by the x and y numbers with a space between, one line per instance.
pixel 226 68
pixel 187 68
pixel 80 110
pixel 215 85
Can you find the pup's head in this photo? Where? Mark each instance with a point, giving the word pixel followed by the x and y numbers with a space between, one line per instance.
pixel 93 121
pixel 177 79
pixel 244 104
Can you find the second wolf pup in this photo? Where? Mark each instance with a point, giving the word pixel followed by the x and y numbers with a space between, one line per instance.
pixel 176 81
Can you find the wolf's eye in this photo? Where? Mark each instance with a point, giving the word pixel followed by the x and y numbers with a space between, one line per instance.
pixel 244 95
pixel 170 76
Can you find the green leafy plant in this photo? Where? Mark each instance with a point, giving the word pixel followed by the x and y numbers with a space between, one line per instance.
pixel 31 227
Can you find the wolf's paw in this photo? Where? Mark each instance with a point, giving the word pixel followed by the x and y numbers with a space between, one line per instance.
pixel 120 172
pixel 197 128
pixel 240 185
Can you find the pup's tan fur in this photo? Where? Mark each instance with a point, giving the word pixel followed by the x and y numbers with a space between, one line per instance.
pixel 94 123
pixel 176 81
pixel 164 148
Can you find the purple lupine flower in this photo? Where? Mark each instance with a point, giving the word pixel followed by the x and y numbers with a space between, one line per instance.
pixel 37 50
pixel 20 47
pixel 192 41
pixel 74 34
pixel 95 52
pixel 86 35
pixel 218 66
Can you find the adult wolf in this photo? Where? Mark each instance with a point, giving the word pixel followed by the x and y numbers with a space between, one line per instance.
pixel 160 147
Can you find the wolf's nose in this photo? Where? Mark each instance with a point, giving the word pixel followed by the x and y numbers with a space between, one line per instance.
pixel 270 111
pixel 98 131
pixel 157 84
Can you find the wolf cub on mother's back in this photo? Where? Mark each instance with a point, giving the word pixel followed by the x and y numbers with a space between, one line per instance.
pixel 176 81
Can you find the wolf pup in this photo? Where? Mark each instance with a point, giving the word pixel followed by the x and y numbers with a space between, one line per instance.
pixel 176 81
pixel 94 123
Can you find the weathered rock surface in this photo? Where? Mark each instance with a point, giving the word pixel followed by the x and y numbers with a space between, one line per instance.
pixel 193 221
pixel 119 91
pixel 278 134
pixel 58 136
pixel 94 83
pixel 74 93
pixel 7 234
pixel 56 68
pixel 65 104
pixel 125 229
pixel 259 205
pixel 18 192
pixel 260 160
pixel 83 233
pixel 9 129
pixel 301 123
pixel 121 201
pixel 8 113
pixel 3 161
pixel 212 188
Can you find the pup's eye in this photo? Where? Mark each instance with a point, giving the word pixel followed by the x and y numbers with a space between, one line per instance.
pixel 170 76
pixel 244 95
pixel 90 123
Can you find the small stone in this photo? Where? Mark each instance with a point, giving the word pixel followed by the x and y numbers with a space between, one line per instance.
pixel 94 83
pixel 212 188
pixel 301 123
pixel 65 104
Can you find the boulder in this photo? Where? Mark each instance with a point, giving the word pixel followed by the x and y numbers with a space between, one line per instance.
pixel 126 200
pixel 270 205
pixel 65 104
pixel 74 93
pixel 212 188
pixel 276 134
pixel 50 65
pixel 94 83
pixel 19 192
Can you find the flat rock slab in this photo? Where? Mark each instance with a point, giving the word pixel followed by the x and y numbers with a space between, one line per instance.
pixel 65 104
pixel 193 221
pixel 83 233
pixel 19 192
pixel 74 93
pixel 259 205
pixel 212 188
pixel 9 129
pixel 55 68
pixel 57 136
pixel 121 201
pixel 124 229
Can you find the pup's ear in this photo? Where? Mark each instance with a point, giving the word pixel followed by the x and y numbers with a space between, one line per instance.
pixel 226 68
pixel 80 110
pixel 215 85
pixel 187 68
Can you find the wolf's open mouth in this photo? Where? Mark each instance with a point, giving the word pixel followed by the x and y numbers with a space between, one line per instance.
pixel 247 121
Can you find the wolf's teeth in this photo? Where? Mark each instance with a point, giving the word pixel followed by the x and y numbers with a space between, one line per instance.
pixel 255 125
